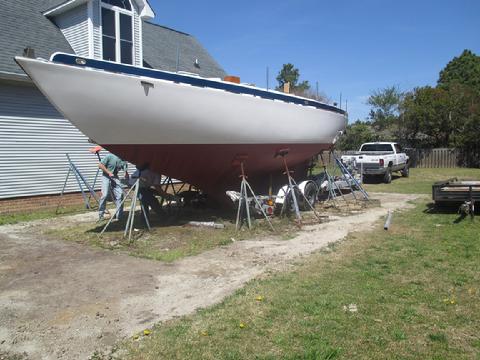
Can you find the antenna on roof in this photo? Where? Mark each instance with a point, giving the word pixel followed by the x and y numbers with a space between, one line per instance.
pixel 268 76
pixel 178 58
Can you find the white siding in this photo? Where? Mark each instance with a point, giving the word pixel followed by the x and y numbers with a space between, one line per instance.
pixel 74 26
pixel 97 34
pixel 33 141
pixel 137 41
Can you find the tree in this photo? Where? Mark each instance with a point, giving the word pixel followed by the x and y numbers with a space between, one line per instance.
pixel 470 142
pixel 385 105
pixel 464 70
pixel 290 74
pixel 439 117
pixel 355 135
pixel 425 117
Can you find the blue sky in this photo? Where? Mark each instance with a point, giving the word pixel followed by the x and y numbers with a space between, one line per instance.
pixel 349 47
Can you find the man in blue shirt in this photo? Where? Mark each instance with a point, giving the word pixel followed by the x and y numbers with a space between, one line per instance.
pixel 110 166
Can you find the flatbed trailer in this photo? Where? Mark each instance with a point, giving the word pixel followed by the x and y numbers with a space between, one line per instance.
pixel 454 191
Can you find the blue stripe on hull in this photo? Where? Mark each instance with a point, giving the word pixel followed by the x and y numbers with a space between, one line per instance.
pixel 199 82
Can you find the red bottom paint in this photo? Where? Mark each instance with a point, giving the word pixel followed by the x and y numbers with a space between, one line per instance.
pixel 212 169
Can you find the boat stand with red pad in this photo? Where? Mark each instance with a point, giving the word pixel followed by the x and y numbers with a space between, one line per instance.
pixel 244 200
pixel 293 191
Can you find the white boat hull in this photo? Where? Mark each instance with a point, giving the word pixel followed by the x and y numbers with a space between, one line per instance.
pixel 191 133
pixel 117 109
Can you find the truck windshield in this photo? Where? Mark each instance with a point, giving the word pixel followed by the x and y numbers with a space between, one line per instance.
pixel 376 147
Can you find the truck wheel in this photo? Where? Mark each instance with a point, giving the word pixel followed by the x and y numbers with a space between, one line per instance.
pixel 310 193
pixel 387 178
pixel 405 171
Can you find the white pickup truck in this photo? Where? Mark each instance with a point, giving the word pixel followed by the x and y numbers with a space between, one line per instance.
pixel 379 159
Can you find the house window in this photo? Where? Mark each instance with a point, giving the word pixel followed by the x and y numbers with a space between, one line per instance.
pixel 117 31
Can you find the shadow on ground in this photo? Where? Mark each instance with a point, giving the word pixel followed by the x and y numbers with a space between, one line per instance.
pixel 448 209
pixel 378 179
pixel 169 217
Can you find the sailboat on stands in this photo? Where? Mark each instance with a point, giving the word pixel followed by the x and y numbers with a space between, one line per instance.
pixel 185 126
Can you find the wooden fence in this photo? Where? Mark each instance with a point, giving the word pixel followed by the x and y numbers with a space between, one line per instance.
pixel 434 158
pixel 420 158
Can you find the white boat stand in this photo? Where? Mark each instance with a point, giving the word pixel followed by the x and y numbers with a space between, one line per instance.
pixel 131 214
pixel 82 183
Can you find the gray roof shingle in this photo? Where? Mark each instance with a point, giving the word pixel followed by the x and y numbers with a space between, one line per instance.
pixel 160 46
pixel 23 24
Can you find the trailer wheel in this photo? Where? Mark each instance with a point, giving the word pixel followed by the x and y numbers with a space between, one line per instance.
pixel 310 193
pixel 387 178
pixel 405 171
pixel 289 203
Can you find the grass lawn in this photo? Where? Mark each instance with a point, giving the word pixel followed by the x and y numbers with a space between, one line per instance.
pixel 420 180
pixel 40 214
pixel 410 293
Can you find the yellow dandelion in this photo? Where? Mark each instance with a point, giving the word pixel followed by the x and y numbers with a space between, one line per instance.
pixel 259 298
pixel 146 332
pixel 242 325
pixel 135 337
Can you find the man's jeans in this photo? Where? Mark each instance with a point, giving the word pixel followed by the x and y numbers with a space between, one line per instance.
pixel 111 185
pixel 149 200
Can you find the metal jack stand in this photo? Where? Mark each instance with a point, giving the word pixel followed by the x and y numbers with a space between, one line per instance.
pixel 293 189
pixel 349 176
pixel 131 215
pixel 72 168
pixel 332 185
pixel 168 183
pixel 96 150
pixel 244 201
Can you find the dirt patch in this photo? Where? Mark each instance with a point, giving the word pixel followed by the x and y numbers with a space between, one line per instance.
pixel 61 300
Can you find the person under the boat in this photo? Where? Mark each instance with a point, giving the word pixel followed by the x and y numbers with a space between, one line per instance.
pixel 110 166
pixel 150 185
